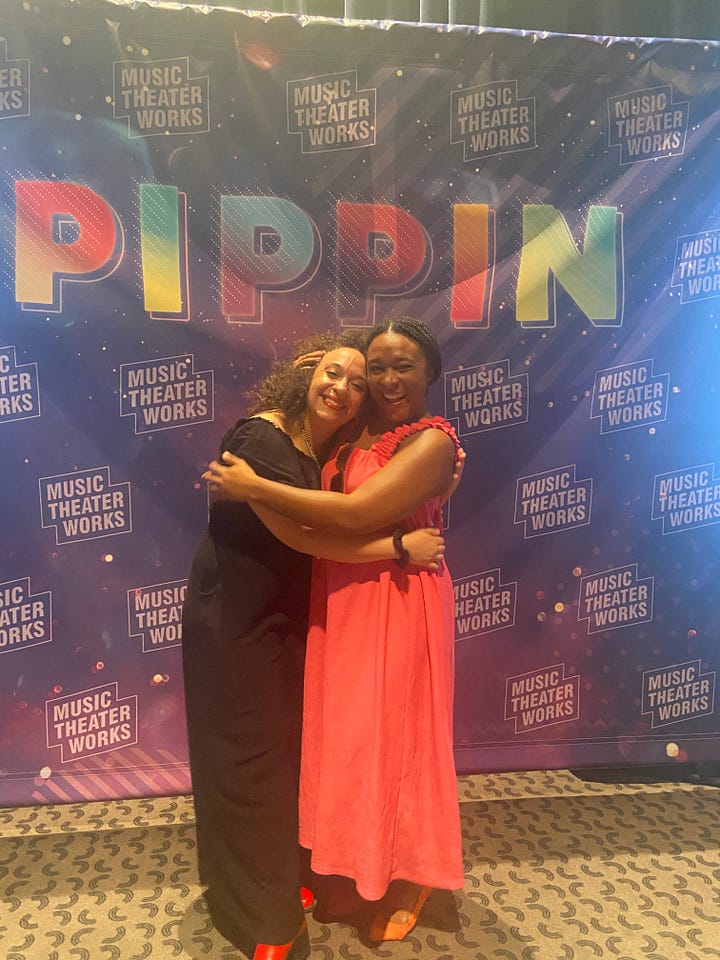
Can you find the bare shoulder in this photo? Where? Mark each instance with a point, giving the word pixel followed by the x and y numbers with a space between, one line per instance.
pixel 429 441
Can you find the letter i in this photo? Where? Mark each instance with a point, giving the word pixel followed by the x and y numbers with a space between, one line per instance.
pixel 164 273
pixel 474 252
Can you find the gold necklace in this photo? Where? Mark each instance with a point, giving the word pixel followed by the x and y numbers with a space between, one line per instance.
pixel 308 443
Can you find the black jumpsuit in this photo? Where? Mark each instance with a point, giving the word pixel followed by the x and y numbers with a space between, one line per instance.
pixel 244 629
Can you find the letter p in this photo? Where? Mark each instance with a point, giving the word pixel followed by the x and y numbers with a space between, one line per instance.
pixel 381 249
pixel 266 243
pixel 64 231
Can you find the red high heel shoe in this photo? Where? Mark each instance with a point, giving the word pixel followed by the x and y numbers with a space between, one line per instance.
pixel 278 951
pixel 307 898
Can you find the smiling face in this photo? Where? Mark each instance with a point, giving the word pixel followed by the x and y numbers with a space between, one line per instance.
pixel 336 392
pixel 398 378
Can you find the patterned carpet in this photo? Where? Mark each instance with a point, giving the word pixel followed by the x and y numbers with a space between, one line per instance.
pixel 556 869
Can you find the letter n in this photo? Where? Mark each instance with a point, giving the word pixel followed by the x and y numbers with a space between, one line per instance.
pixel 593 278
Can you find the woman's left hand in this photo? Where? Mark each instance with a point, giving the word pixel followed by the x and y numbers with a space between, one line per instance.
pixel 231 479
pixel 457 475
pixel 426 547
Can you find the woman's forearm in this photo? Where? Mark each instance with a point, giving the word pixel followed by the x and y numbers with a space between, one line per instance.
pixel 333 513
pixel 319 543
pixel 422 469
pixel 412 476
pixel 425 547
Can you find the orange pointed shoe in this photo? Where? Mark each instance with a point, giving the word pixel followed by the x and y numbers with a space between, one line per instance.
pixel 385 928
pixel 307 898
pixel 278 951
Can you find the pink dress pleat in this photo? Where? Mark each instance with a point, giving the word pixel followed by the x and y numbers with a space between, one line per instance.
pixel 378 792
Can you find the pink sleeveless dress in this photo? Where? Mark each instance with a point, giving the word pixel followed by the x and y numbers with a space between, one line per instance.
pixel 378 793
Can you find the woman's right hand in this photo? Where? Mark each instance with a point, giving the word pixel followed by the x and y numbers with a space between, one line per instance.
pixel 426 547
pixel 308 361
pixel 230 480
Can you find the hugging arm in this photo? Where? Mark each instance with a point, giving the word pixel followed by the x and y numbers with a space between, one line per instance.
pixel 426 546
pixel 421 468
pixel 460 458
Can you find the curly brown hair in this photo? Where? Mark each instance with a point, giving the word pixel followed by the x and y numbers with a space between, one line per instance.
pixel 286 386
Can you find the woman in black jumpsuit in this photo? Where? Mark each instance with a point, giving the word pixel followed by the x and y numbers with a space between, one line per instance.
pixel 244 626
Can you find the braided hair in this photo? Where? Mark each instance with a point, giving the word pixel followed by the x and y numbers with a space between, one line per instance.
pixel 416 331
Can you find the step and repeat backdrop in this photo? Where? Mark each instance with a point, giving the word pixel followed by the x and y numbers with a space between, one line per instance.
pixel 184 194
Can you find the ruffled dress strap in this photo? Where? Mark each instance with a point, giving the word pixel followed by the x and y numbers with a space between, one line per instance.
pixel 388 443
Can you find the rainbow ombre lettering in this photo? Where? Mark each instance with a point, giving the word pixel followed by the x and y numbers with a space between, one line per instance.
pixel 474 249
pixel 63 231
pixel 549 255
pixel 164 289
pixel 67 232
pixel 267 243
pixel 381 249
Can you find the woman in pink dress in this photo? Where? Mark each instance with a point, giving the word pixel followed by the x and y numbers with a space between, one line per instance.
pixel 378 795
